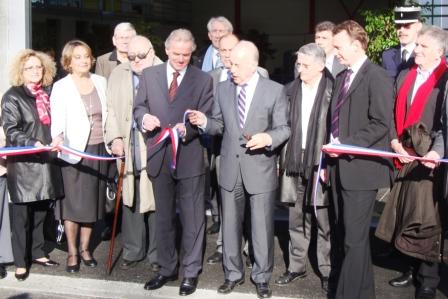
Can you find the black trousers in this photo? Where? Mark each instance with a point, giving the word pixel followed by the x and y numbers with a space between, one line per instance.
pixel 27 222
pixel 189 194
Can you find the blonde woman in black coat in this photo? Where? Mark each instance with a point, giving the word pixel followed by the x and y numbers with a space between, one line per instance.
pixel 33 180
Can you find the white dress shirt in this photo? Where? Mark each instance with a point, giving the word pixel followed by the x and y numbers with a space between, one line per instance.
pixel 308 98
pixel 409 48
pixel 421 78
pixel 169 74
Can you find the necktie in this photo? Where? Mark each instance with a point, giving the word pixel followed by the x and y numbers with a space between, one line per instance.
pixel 341 99
pixel 173 86
pixel 403 56
pixel 242 105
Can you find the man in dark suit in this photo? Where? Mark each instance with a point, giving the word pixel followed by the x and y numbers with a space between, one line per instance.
pixel 323 36
pixel 407 22
pixel 309 100
pixel 165 92
pixel 251 113
pixel 361 111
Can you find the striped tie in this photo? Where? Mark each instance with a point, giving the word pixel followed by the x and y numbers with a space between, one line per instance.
pixel 341 100
pixel 242 105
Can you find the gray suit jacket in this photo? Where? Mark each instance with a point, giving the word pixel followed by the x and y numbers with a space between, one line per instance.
pixel 268 113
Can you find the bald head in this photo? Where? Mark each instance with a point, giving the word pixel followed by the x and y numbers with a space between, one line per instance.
pixel 141 53
pixel 226 44
pixel 244 61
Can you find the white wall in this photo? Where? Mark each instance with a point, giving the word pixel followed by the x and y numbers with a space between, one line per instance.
pixel 15 33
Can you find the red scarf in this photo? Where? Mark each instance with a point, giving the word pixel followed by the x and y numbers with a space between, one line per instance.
pixel 403 118
pixel 42 102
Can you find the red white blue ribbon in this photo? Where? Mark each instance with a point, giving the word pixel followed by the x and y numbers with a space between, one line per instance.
pixel 29 150
pixel 345 149
pixel 173 135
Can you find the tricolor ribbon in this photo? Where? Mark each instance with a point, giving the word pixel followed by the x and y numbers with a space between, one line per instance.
pixel 345 149
pixel 29 150
pixel 173 135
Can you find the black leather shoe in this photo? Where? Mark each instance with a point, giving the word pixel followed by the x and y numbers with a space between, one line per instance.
pixel 263 290
pixel 289 276
pixel 228 286
pixel 404 280
pixel 125 264
pixel 188 286
pixel 158 281
pixel 324 284
pixel 3 272
pixel 426 293
pixel 90 262
pixel 48 263
pixel 155 267
pixel 72 268
pixel 213 229
pixel 215 258
pixel 23 276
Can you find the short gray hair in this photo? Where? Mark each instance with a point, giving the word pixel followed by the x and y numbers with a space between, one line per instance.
pixel 222 20
pixel 180 35
pixel 313 50
pixel 437 34
pixel 125 26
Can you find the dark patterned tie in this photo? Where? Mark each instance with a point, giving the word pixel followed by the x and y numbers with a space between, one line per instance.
pixel 341 99
pixel 242 105
pixel 403 56
pixel 173 86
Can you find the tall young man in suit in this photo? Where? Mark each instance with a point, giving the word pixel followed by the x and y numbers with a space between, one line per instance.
pixel 407 23
pixel 361 113
pixel 124 139
pixel 165 92
pixel 323 36
pixel 251 113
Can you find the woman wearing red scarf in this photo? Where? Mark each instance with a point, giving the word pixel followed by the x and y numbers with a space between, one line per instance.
pixel 410 218
pixel 33 180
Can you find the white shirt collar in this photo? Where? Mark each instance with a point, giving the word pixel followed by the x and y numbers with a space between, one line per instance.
pixel 425 74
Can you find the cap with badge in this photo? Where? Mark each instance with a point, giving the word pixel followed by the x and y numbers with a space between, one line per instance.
pixel 407 13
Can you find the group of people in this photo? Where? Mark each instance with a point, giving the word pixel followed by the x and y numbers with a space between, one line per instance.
pixel 257 136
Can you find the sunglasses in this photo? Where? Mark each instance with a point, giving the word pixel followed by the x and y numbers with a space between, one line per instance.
pixel 405 26
pixel 140 56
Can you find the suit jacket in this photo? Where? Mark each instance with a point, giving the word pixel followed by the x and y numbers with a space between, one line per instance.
pixel 194 92
pixel 364 120
pixel 268 113
pixel 69 114
pixel 120 102
pixel 106 63
pixel 391 61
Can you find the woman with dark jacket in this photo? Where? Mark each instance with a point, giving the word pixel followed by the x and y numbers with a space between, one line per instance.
pixel 33 180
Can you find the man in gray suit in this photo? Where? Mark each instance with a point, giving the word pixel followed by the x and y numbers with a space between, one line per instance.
pixel 323 36
pixel 252 115
pixel 226 44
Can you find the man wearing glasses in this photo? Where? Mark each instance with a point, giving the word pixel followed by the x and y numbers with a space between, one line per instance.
pixel 124 139
pixel 407 23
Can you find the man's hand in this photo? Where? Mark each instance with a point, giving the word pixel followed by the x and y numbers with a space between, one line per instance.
pixel 399 149
pixel 150 122
pixel 57 141
pixel 259 140
pixel 117 147
pixel 431 155
pixel 197 118
pixel 181 129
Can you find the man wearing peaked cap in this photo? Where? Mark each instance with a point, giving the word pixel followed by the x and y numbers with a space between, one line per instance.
pixel 407 23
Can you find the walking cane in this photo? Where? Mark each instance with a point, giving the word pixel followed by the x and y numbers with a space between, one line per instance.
pixel 114 227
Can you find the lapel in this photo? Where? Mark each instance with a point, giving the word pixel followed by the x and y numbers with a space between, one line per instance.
pixel 162 80
pixel 187 82
pixel 258 96
pixel 397 57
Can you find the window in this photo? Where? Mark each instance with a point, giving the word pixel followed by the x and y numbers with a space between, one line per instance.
pixel 435 12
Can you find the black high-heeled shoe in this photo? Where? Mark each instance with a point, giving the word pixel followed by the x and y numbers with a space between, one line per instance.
pixel 72 268
pixel 89 263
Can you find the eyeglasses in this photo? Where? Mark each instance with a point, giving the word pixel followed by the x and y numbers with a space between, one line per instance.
pixel 140 56
pixel 34 67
